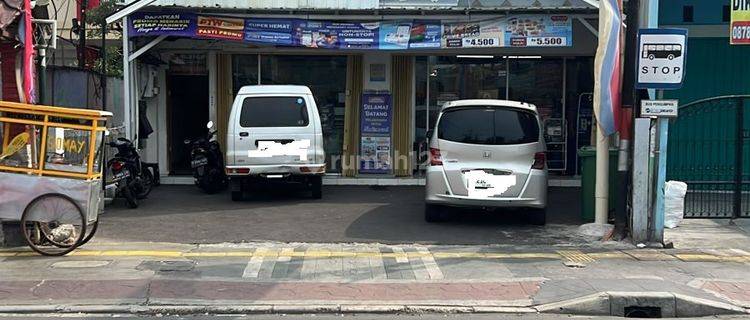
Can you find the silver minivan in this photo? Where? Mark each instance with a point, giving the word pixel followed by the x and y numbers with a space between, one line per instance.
pixel 274 135
pixel 487 154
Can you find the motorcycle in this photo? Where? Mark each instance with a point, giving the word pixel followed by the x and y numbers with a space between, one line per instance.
pixel 133 180
pixel 207 162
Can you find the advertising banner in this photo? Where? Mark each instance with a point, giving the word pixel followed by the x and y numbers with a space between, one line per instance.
pixel 516 31
pixel 270 31
pixel 740 24
pixel 375 133
pixel 425 34
pixel 220 28
pixel 156 24
pixel 337 35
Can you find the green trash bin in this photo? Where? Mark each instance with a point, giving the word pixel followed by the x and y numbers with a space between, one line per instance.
pixel 587 155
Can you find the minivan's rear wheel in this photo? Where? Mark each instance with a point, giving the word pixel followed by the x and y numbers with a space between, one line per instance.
pixel 537 217
pixel 435 213
pixel 316 185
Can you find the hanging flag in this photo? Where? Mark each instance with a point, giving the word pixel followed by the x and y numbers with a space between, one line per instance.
pixel 607 67
pixel 25 32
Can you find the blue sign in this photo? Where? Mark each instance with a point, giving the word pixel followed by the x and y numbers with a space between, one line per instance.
pixel 269 31
pixel 662 58
pixel 394 35
pixel 375 116
pixel 425 34
pixel 337 35
pixel 375 132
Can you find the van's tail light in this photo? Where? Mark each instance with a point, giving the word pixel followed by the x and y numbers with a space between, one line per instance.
pixel 117 166
pixel 435 158
pixel 539 159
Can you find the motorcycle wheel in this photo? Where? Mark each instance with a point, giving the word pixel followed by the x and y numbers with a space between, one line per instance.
pixel 130 199
pixel 147 182
pixel 212 183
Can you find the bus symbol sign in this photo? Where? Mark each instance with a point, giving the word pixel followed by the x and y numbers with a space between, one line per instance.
pixel 661 58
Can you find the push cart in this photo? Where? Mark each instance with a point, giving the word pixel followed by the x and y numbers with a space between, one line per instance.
pixel 51 173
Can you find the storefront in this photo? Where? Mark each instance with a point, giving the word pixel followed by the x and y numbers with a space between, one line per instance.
pixel 404 64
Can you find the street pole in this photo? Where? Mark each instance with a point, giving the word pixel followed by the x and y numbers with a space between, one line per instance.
pixel 103 56
pixel 601 191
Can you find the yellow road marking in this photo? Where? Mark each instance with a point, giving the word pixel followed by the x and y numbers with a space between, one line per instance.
pixel 569 255
pixel 575 256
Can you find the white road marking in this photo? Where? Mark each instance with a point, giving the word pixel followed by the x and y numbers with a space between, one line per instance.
pixel 253 266
pixel 400 255
pixel 429 263
pixel 285 255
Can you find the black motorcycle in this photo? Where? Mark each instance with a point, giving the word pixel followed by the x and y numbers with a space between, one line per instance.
pixel 207 162
pixel 134 181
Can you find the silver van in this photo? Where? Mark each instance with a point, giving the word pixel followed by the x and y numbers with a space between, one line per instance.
pixel 274 135
pixel 487 154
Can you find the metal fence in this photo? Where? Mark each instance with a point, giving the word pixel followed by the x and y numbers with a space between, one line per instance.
pixel 709 149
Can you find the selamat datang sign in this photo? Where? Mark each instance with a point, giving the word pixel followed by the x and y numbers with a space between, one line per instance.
pixel 740 24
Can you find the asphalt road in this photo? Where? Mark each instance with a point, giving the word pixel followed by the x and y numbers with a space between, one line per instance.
pixel 183 214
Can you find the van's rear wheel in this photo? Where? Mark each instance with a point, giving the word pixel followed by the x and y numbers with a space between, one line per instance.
pixel 435 213
pixel 537 217
pixel 316 185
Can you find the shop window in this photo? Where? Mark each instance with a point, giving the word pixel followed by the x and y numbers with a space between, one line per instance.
pixel 244 71
pixel 540 82
pixel 687 13
pixel 326 78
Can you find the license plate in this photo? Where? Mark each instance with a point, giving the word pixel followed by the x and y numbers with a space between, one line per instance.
pixel 120 175
pixel 482 184
pixel 199 162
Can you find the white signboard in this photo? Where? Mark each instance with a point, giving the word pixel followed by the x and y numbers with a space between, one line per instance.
pixel 661 58
pixel 659 108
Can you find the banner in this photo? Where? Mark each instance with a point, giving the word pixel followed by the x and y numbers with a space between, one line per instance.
pixel 269 31
pixel 607 67
pixel 518 31
pixel 740 22
pixel 375 132
pixel 221 28
pixel 512 31
pixel 173 24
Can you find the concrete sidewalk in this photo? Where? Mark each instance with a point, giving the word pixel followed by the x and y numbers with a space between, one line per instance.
pixel 302 277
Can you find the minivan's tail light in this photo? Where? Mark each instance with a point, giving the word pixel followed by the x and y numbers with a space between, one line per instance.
pixel 117 166
pixel 539 160
pixel 435 158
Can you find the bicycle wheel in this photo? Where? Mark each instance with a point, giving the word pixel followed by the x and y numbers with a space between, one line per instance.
pixel 53 224
pixel 90 233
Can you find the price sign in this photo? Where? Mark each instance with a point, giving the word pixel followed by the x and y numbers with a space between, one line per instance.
pixel 740 22
pixel 547 41
pixel 481 42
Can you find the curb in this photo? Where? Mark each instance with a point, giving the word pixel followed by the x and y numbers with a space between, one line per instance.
pixel 669 304
pixel 599 304
pixel 258 309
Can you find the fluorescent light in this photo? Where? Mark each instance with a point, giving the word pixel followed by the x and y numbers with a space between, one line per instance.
pixel 474 57
pixel 523 57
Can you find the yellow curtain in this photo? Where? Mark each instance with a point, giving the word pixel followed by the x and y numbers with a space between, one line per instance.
pixel 402 72
pixel 351 115
pixel 225 96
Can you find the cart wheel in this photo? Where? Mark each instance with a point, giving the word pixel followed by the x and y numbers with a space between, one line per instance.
pixel 53 224
pixel 90 234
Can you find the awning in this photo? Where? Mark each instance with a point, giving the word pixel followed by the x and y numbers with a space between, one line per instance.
pixel 386 5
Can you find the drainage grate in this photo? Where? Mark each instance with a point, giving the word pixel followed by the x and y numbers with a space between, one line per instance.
pixel 642 312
